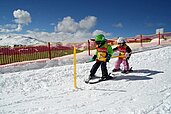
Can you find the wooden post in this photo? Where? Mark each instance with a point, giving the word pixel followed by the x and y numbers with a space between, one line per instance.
pixel 159 38
pixel 89 47
pixel 141 40
pixel 50 57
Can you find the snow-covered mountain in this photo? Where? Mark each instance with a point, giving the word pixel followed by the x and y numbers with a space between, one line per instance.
pixel 35 39
pixel 20 40
pixel 28 40
pixel 47 87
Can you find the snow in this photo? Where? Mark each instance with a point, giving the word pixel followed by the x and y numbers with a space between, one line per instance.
pixel 15 39
pixel 48 88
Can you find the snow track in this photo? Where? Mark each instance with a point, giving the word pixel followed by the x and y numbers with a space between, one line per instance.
pixel 50 90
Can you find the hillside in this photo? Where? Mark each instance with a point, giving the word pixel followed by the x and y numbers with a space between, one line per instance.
pixel 19 40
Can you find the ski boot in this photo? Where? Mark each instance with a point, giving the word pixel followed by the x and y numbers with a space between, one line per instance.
pixel 109 77
pixel 116 70
pixel 89 78
pixel 103 78
pixel 125 72
pixel 130 70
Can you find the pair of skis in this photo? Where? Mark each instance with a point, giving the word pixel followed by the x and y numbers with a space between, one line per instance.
pixel 98 79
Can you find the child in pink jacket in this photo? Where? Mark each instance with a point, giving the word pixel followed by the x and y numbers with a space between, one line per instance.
pixel 124 54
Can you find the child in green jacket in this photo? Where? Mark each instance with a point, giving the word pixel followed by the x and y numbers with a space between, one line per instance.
pixel 102 56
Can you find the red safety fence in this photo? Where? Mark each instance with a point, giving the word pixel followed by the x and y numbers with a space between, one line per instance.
pixel 28 53
pixel 138 41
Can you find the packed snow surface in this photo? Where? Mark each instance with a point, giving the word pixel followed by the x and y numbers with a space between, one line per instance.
pixel 50 90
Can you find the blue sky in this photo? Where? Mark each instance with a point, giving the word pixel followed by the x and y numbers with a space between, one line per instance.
pixel 112 17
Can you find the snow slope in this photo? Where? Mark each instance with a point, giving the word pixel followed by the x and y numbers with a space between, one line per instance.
pixel 50 90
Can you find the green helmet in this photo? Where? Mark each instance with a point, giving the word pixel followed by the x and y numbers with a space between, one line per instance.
pixel 100 38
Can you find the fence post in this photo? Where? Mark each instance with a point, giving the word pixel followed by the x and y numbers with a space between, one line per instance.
pixel 50 57
pixel 159 38
pixel 88 47
pixel 141 40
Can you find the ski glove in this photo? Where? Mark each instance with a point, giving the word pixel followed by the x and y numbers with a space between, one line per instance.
pixel 93 58
pixel 108 57
pixel 127 55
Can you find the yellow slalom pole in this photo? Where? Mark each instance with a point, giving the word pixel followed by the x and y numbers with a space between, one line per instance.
pixel 75 79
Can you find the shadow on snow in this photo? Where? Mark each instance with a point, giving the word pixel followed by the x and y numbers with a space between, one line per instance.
pixel 134 77
pixel 149 72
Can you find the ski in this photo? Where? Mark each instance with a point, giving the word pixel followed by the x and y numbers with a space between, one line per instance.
pixel 87 81
pixel 97 80
pixel 100 80
pixel 92 80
